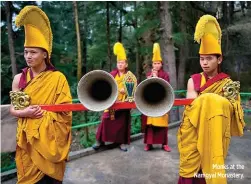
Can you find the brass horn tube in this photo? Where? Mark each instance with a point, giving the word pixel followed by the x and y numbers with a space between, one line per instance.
pixel 97 90
pixel 154 97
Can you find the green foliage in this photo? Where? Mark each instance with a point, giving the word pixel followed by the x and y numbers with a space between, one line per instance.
pixel 92 20
pixel 135 125
pixel 7 161
pixel 139 20
pixel 87 143
pixel 6 72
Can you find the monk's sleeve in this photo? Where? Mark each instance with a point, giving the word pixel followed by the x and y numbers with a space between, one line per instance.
pixel 164 76
pixel 218 143
pixel 237 123
pixel 53 137
pixel 167 77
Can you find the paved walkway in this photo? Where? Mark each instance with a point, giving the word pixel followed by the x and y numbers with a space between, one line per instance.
pixel 154 167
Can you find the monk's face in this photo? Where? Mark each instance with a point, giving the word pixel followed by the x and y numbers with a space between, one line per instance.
pixel 34 57
pixel 122 65
pixel 209 63
pixel 157 65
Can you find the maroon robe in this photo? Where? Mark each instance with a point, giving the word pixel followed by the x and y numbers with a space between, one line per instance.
pixel 183 180
pixel 49 180
pixel 23 82
pixel 117 130
pixel 153 134
pixel 197 80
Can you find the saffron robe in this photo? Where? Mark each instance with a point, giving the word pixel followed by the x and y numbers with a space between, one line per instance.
pixel 206 129
pixel 43 144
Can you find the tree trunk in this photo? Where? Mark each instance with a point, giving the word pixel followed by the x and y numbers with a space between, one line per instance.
pixel 248 4
pixel 239 66
pixel 214 6
pixel 138 60
pixel 146 40
pixel 120 23
pixel 109 57
pixel 167 45
pixel 79 69
pixel 84 30
pixel 10 38
pixel 183 54
pixel 231 11
pixel 225 18
pixel 80 64
pixel 243 6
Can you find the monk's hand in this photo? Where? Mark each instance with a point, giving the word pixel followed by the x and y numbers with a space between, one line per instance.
pixel 33 111
pixel 154 73
pixel 122 91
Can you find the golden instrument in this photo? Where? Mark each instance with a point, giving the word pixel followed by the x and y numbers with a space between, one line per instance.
pixel 130 84
pixel 231 90
pixel 19 99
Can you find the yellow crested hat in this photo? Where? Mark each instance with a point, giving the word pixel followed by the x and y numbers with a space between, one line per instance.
pixel 208 35
pixel 119 51
pixel 156 53
pixel 37 28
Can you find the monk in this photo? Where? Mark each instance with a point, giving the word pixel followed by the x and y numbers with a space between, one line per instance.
pixel 115 125
pixel 213 117
pixel 43 137
pixel 156 128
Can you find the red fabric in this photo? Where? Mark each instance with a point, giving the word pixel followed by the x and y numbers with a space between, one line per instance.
pixel 156 135
pixel 211 81
pixel 48 180
pixel 143 123
pixel 23 82
pixel 196 81
pixel 161 74
pixel 116 71
pixel 193 180
pixel 116 131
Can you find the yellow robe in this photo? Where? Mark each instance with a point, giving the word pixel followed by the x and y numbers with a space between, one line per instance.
pixel 120 83
pixel 43 144
pixel 161 121
pixel 204 135
pixel 121 97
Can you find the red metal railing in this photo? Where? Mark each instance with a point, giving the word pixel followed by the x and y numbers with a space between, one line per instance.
pixel 117 105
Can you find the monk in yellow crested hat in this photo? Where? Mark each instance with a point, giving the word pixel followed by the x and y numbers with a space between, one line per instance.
pixel 43 137
pixel 156 53
pixel 119 51
pixel 213 117
pixel 115 126
pixel 208 35
pixel 156 128
pixel 37 28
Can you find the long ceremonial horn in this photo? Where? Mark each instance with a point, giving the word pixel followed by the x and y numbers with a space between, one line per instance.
pixel 97 90
pixel 154 97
